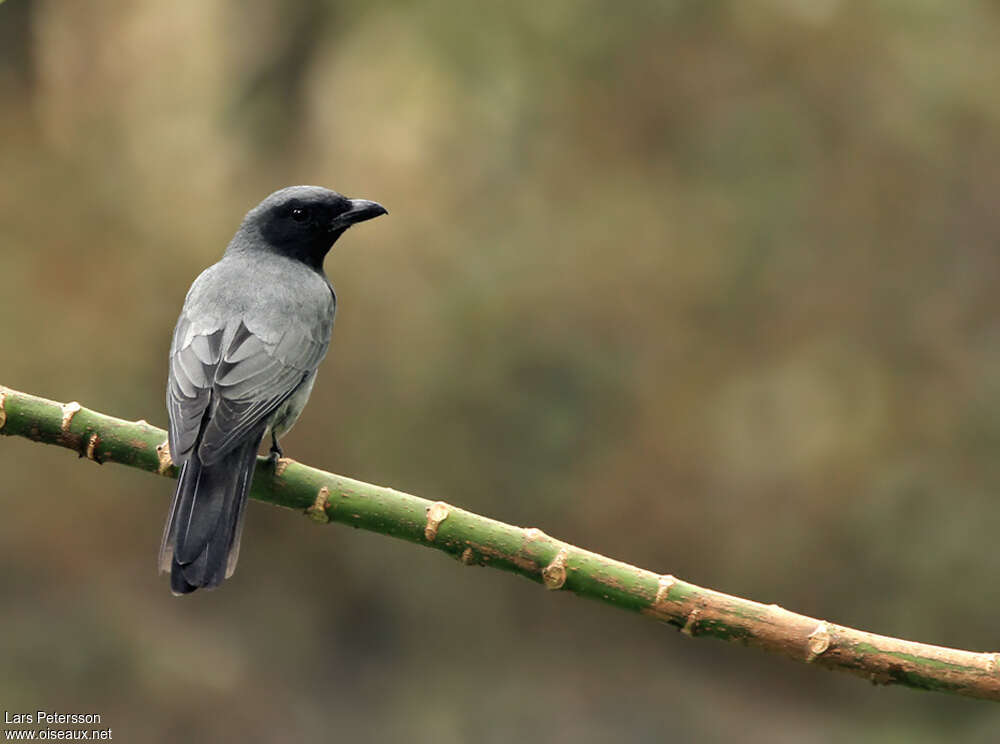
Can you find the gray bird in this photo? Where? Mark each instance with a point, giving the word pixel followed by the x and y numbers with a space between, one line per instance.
pixel 253 330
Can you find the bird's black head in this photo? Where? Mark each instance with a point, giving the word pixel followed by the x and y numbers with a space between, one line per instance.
pixel 303 222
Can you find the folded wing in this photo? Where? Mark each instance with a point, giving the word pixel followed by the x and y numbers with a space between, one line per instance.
pixel 225 380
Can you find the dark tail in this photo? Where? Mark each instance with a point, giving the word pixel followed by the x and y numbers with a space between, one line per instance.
pixel 201 541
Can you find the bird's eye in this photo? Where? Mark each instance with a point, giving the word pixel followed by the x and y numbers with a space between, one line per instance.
pixel 300 215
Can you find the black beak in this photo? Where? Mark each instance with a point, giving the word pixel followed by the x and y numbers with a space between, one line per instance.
pixel 361 210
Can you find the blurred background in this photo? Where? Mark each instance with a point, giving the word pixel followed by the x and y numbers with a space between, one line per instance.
pixel 707 287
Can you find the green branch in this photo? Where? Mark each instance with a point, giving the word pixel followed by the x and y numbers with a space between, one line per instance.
pixel 477 540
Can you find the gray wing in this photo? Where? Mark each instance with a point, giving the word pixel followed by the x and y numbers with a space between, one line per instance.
pixel 226 378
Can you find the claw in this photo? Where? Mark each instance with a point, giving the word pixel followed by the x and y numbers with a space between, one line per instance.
pixel 276 453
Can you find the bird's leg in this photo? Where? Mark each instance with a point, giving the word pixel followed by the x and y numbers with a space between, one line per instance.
pixel 276 452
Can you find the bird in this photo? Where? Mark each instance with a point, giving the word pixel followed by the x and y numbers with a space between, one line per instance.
pixel 251 334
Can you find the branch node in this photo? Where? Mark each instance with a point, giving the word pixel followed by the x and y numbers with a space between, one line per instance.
pixel 436 514
pixel 554 574
pixel 3 411
pixel 663 590
pixel 992 662
pixel 533 533
pixel 281 464
pixel 163 455
pixel 819 641
pixel 92 447
pixel 689 624
pixel 68 412
pixel 317 512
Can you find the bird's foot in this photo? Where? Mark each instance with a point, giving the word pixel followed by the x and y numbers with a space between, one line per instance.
pixel 276 450
pixel 277 458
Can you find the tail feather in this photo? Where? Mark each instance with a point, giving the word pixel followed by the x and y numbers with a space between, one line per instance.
pixel 202 537
pixel 239 510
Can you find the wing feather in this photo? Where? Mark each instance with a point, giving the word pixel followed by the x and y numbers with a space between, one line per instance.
pixel 225 380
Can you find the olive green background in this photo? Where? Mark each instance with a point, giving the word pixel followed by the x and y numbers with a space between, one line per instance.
pixel 710 287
